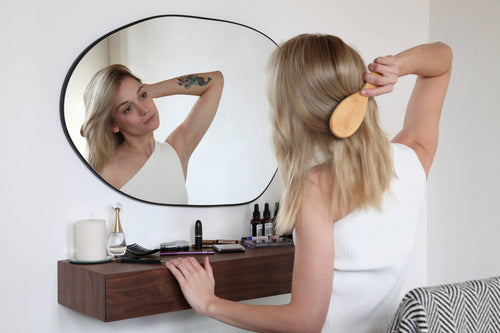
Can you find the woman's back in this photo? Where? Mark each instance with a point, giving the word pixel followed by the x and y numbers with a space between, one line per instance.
pixel 348 269
pixel 372 248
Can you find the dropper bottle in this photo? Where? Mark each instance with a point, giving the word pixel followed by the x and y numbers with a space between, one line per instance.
pixel 116 243
pixel 255 222
pixel 266 221
pixel 273 220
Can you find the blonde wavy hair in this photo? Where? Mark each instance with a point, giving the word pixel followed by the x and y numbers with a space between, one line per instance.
pixel 99 99
pixel 307 77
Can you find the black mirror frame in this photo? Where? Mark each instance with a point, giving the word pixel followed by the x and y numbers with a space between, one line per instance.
pixel 75 149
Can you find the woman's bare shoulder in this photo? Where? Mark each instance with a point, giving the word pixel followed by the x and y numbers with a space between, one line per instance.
pixel 121 168
pixel 319 188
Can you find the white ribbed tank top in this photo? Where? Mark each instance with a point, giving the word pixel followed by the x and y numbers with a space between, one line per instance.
pixel 372 250
pixel 161 178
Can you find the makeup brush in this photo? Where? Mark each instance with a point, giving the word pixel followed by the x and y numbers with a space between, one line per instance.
pixel 349 114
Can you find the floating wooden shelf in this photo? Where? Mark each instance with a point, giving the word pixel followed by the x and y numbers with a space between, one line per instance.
pixel 115 291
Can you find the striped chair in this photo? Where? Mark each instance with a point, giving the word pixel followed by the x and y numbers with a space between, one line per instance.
pixel 471 307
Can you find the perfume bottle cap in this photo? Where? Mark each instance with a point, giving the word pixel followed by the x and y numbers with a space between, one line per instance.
pixel 117 227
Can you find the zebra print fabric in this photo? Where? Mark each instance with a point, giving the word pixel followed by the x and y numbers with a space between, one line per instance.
pixel 466 307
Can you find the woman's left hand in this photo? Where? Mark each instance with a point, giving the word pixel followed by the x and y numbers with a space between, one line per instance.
pixel 197 283
pixel 388 70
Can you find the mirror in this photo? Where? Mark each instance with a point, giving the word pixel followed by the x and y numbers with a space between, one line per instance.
pixel 234 163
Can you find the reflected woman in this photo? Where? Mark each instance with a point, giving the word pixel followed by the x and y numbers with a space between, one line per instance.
pixel 121 117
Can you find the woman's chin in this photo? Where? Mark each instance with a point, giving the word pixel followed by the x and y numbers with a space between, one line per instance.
pixel 156 126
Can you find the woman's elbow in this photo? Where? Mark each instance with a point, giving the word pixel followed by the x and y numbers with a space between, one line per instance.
pixel 309 326
pixel 218 82
pixel 446 53
pixel 310 320
pixel 218 77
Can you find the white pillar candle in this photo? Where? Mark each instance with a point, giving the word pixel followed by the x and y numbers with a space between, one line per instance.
pixel 90 240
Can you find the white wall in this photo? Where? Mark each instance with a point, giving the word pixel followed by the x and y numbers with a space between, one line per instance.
pixel 464 209
pixel 45 188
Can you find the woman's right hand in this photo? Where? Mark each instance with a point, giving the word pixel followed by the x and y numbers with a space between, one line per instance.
pixel 197 283
pixel 432 64
pixel 388 68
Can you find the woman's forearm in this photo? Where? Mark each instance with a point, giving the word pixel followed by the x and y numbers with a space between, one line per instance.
pixel 198 283
pixel 192 84
pixel 263 318
pixel 427 60
pixel 311 281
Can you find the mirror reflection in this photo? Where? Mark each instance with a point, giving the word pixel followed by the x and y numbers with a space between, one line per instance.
pixel 189 92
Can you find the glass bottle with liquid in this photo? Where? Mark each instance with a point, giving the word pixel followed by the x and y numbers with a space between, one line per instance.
pixel 266 221
pixel 116 243
pixel 256 223
pixel 273 220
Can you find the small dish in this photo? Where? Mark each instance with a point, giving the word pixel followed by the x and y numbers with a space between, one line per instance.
pixel 90 262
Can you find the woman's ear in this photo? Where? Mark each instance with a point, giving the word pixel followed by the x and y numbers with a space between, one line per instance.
pixel 114 128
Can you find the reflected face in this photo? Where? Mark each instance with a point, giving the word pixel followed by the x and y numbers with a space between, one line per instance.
pixel 224 170
pixel 135 112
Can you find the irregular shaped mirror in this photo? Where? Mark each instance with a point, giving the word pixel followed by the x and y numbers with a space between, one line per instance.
pixel 234 162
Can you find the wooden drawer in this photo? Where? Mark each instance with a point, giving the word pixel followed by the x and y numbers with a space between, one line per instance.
pixel 115 291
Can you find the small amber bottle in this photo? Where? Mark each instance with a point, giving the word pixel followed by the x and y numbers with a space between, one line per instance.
pixel 256 222
pixel 273 220
pixel 266 221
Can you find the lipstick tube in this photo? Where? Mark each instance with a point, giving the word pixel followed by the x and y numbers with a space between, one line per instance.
pixel 198 238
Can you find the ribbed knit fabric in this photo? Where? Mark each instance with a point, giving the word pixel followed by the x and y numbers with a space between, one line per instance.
pixel 161 178
pixel 372 250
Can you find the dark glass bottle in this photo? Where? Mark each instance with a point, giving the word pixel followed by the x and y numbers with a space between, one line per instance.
pixel 256 222
pixel 266 221
pixel 273 220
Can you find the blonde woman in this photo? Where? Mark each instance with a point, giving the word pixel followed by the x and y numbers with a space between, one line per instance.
pixel 353 203
pixel 120 120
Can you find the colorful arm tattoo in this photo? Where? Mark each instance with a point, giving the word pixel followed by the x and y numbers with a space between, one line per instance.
pixel 190 80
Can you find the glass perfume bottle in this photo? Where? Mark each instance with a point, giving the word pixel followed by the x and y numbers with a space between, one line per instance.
pixel 116 243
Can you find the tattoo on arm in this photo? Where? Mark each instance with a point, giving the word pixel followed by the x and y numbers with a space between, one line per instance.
pixel 191 80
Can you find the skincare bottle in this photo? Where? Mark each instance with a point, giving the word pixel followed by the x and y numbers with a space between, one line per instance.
pixel 266 221
pixel 116 238
pixel 273 220
pixel 256 222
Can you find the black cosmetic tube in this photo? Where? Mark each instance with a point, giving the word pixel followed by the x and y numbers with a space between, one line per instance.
pixel 198 239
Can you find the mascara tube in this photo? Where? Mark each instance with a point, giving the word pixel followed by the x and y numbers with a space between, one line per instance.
pixel 198 239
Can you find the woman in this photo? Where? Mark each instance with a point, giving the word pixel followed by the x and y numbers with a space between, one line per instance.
pixel 121 118
pixel 353 203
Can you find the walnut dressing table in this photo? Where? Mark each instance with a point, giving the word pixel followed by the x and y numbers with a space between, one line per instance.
pixel 114 291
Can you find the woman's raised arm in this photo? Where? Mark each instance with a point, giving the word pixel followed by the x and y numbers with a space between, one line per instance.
pixel 432 65
pixel 208 86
